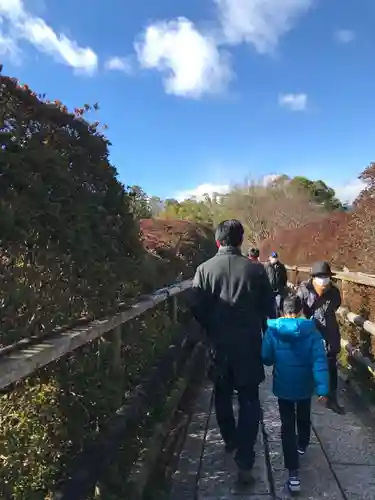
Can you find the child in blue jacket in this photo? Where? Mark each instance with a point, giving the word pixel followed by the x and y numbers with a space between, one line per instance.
pixel 295 348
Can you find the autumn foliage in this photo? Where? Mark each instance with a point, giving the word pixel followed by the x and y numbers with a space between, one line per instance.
pixel 175 248
pixel 69 244
pixel 345 239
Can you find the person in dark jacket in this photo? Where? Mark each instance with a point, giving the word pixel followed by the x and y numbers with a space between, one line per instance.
pixel 277 275
pixel 295 348
pixel 231 298
pixel 254 254
pixel 320 300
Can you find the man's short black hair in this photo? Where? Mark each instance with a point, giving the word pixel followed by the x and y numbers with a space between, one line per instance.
pixel 292 304
pixel 229 233
pixel 254 252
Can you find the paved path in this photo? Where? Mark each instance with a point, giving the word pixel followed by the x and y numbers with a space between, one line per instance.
pixel 339 465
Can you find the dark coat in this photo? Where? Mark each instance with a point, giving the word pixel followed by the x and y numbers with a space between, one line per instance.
pixel 231 299
pixel 323 309
pixel 278 277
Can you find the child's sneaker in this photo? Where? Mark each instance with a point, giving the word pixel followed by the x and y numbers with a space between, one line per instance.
pixel 294 484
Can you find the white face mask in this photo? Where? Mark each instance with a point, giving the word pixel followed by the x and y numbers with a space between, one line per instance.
pixel 322 281
pixel 273 260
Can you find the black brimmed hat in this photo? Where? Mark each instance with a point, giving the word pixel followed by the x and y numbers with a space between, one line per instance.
pixel 321 268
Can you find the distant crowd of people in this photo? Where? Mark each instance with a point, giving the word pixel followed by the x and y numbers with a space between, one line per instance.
pixel 252 318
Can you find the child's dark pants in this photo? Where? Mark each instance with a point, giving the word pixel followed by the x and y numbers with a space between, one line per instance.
pixel 292 413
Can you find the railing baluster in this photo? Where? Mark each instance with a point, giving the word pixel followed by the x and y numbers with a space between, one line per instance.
pixel 173 308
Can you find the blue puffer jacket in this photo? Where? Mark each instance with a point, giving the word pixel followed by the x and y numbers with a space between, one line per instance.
pixel 296 349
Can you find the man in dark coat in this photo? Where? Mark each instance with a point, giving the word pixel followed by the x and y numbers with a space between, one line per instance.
pixel 277 275
pixel 321 299
pixel 231 300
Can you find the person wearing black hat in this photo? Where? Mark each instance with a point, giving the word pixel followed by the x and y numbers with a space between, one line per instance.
pixel 231 299
pixel 321 299
pixel 278 277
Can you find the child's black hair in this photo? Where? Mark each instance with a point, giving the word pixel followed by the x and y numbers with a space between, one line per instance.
pixel 292 304
pixel 254 252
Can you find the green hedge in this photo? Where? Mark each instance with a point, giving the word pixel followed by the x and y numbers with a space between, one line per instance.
pixel 69 244
pixel 69 247
pixel 46 418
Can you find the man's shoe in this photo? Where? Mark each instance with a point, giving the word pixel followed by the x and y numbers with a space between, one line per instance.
pixel 245 476
pixel 332 404
pixel 301 451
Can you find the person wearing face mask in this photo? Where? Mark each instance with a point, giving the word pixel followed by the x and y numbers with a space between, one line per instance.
pixel 278 278
pixel 321 299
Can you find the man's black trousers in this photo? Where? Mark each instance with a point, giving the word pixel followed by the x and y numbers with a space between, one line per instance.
pixel 240 435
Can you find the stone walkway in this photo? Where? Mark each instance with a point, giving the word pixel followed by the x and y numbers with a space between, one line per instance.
pixel 339 464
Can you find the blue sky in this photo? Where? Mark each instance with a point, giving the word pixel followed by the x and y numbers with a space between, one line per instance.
pixel 208 92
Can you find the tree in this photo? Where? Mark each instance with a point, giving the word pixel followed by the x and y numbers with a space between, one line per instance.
pixel 68 240
pixel 69 249
pixel 319 192
pixel 140 204
pixel 156 205
pixel 361 231
pixel 265 209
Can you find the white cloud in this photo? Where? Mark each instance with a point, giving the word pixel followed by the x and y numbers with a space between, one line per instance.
pixel 202 190
pixel 344 36
pixel 123 64
pixel 193 62
pixel 349 191
pixel 294 102
pixel 24 26
pixel 8 47
pixel 190 61
pixel 259 22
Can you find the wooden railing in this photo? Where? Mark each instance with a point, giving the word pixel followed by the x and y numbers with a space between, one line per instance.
pixel 168 379
pixel 352 277
pixel 19 363
pixel 179 363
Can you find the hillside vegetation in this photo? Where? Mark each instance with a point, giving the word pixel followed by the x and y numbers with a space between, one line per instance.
pixel 263 208
pixel 346 239
pixel 72 247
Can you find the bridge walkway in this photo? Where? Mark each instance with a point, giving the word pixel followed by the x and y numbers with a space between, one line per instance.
pixel 339 464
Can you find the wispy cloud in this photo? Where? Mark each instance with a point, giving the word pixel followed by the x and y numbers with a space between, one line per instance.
pixel 294 102
pixel 8 47
pixel 190 61
pixel 344 36
pixel 124 64
pixel 259 22
pixel 349 191
pixel 19 24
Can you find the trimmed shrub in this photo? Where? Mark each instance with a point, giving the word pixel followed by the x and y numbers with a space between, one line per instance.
pixel 69 245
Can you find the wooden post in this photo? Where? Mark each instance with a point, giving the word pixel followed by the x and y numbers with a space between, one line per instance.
pixel 116 340
pixel 173 308
pixel 294 275
pixel 345 288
